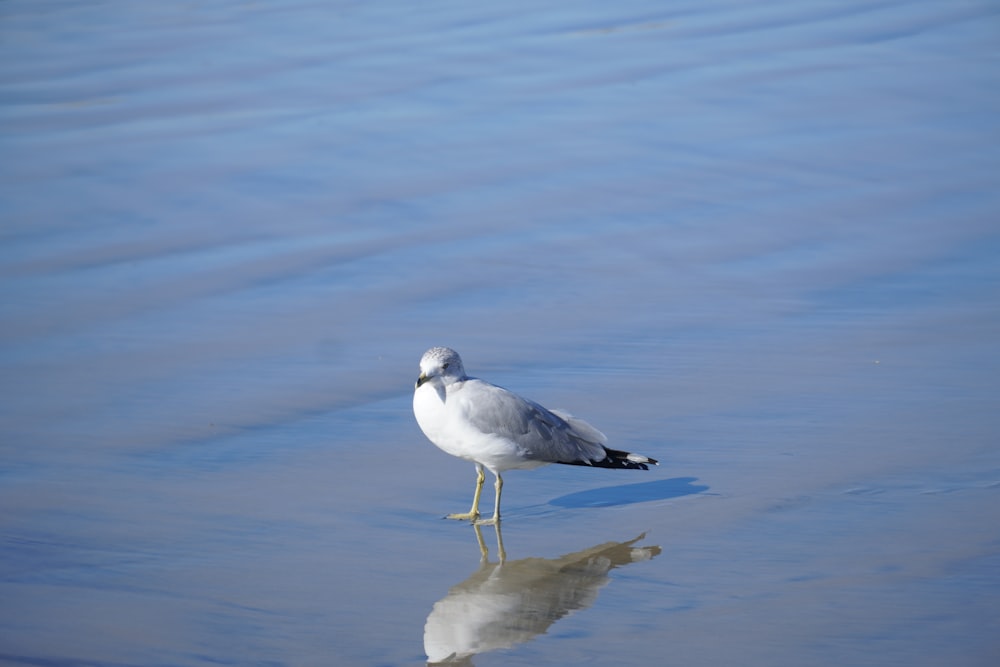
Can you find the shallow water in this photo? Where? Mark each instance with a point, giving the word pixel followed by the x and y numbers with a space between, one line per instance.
pixel 757 243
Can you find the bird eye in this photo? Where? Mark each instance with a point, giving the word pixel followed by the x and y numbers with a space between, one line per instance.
pixel 445 367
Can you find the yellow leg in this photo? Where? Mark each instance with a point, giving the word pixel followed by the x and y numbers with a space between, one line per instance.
pixel 473 514
pixel 496 506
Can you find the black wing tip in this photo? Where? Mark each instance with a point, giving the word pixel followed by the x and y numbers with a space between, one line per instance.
pixel 618 459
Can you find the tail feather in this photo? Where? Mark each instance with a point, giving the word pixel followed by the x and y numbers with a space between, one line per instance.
pixel 615 458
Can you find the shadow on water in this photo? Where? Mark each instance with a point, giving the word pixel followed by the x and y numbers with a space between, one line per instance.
pixel 507 603
pixel 629 494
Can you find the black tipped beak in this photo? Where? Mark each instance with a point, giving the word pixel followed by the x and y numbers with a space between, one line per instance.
pixel 420 380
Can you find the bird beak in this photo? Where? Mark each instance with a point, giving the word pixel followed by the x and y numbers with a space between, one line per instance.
pixel 422 379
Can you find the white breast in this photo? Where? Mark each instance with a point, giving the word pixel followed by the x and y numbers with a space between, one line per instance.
pixel 446 424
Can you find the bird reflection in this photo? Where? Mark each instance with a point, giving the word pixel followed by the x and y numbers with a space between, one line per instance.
pixel 507 603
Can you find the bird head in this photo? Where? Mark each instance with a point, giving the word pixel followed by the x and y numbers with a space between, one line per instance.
pixel 442 364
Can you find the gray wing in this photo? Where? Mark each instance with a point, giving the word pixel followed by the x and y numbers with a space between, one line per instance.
pixel 546 435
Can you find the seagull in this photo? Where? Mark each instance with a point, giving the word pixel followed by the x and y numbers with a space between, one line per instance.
pixel 498 430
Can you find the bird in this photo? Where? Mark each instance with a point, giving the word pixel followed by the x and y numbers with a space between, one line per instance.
pixel 498 430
